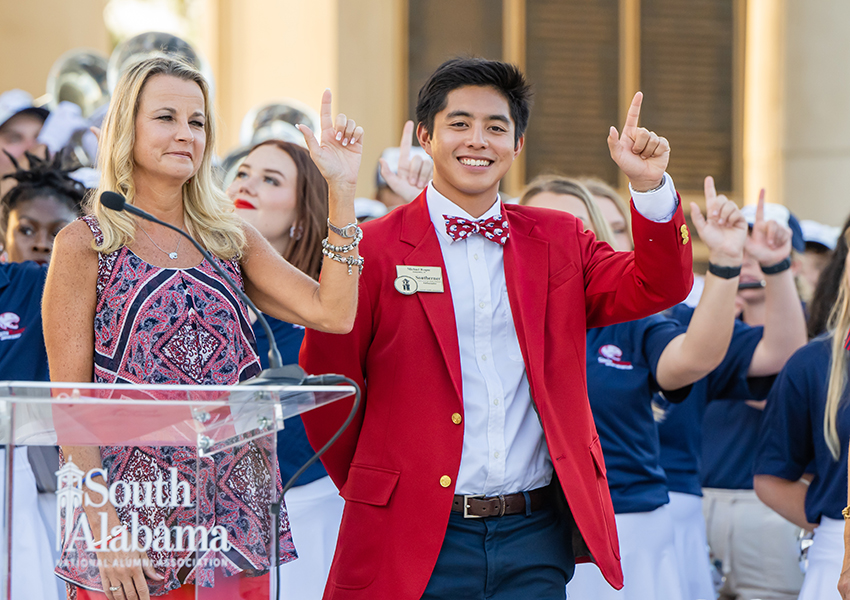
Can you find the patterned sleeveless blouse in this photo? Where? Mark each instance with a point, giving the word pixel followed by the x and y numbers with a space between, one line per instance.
pixel 155 325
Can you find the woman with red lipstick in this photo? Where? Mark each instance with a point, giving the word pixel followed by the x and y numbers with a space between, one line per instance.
pixel 280 191
pixel 33 212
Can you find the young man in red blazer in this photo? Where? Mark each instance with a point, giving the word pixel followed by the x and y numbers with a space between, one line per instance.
pixel 473 468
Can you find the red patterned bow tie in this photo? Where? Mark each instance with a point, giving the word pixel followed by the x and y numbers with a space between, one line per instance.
pixel 494 229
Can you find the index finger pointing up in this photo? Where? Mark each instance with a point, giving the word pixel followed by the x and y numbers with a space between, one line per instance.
pixel 327 120
pixel 404 146
pixel 633 115
pixel 760 207
pixel 710 193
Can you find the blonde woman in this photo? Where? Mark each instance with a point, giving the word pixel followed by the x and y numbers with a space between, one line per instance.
pixel 127 301
pixel 807 424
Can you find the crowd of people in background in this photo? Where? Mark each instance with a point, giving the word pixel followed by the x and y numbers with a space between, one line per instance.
pixel 723 421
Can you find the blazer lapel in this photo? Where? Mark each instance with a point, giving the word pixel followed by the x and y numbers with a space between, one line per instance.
pixel 418 231
pixel 527 278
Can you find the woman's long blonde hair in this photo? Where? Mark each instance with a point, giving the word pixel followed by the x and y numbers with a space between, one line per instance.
pixel 558 184
pixel 208 212
pixel 839 324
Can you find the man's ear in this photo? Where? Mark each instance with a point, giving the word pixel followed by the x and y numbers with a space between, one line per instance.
pixel 424 138
pixel 519 145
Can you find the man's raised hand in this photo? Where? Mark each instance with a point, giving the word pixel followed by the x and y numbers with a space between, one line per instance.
pixel 723 228
pixel 641 154
pixel 413 173
pixel 339 149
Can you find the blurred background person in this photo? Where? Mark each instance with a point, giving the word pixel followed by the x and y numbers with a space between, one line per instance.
pixel 806 429
pixel 44 199
pixel 820 241
pixel 403 171
pixel 280 191
pixel 20 124
pixel 755 551
pixel 755 353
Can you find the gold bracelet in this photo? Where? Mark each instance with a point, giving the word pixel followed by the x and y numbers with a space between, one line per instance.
pixel 846 513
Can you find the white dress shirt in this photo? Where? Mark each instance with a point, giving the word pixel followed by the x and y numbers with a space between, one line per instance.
pixel 504 450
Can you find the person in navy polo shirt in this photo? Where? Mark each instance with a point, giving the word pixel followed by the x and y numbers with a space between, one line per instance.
pixel 754 354
pixel 23 358
pixel 755 551
pixel 626 363
pixel 806 428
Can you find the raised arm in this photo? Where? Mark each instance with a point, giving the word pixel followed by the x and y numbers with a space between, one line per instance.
pixel 413 174
pixel 281 290
pixel 695 353
pixel 784 322
pixel 624 286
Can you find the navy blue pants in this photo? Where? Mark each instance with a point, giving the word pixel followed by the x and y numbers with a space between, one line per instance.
pixel 504 558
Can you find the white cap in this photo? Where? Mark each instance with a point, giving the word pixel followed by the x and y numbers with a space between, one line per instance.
pixel 367 208
pixel 772 212
pixel 14 102
pixel 392 154
pixel 819 233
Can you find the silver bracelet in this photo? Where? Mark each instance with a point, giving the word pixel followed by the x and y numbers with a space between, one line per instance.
pixel 348 232
pixel 358 236
pixel 349 260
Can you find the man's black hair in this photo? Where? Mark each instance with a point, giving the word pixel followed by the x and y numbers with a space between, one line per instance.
pixel 42 178
pixel 456 73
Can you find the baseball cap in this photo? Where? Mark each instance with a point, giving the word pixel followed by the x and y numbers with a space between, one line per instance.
pixel 783 216
pixel 818 233
pixel 15 102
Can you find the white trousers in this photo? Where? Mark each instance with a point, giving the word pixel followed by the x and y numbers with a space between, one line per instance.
pixel 315 512
pixel 825 556
pixel 648 558
pixel 757 548
pixel 691 546
pixel 32 559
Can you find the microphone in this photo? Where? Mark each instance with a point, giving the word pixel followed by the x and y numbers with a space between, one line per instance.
pixel 276 373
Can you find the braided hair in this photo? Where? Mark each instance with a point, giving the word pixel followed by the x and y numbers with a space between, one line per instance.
pixel 45 177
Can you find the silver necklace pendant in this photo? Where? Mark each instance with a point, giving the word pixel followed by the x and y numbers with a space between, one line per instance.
pixel 172 255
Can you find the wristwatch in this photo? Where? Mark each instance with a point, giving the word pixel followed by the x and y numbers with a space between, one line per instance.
pixel 349 231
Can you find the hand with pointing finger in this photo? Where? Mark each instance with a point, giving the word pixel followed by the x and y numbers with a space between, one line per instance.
pixel 339 149
pixel 769 242
pixel 413 173
pixel 723 228
pixel 641 154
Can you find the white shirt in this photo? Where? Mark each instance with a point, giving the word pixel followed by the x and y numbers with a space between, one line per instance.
pixel 504 450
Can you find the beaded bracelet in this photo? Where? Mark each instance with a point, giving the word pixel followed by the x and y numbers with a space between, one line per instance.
pixel 357 237
pixel 351 261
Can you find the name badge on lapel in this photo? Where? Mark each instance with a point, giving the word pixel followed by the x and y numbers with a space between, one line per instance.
pixel 410 280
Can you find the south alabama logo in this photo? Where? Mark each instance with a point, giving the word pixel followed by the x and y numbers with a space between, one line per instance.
pixel 76 489
pixel 10 328
pixel 611 356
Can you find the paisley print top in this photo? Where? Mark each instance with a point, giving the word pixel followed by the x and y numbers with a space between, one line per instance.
pixel 156 325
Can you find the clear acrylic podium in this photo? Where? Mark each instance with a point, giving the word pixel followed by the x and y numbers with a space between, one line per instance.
pixel 190 471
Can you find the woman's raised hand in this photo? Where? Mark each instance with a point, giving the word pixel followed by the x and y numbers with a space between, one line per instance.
pixel 339 149
pixel 723 228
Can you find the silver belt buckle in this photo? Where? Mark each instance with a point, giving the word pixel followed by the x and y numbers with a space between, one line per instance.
pixel 466 498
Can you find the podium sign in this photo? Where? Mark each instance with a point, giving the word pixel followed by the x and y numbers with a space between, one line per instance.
pixel 180 479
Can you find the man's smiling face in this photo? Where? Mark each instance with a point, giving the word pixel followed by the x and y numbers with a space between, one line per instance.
pixel 472 144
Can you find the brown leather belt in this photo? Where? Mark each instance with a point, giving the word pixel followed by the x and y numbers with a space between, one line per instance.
pixel 478 506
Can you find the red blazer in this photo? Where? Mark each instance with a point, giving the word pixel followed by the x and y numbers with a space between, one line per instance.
pixel 392 462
